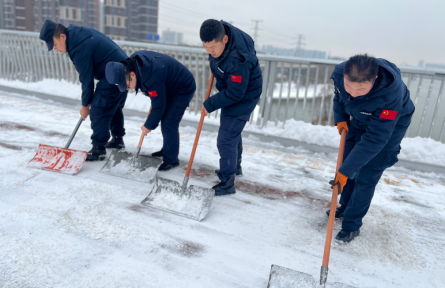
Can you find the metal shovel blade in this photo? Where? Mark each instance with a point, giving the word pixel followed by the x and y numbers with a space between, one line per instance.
pixel 124 164
pixel 63 160
pixel 281 277
pixel 193 202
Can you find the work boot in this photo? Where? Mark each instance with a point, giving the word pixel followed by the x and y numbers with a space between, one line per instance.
pixel 166 166
pixel 338 212
pixel 225 188
pixel 98 153
pixel 347 235
pixel 159 154
pixel 115 143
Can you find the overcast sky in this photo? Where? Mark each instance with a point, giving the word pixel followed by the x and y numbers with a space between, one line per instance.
pixel 402 31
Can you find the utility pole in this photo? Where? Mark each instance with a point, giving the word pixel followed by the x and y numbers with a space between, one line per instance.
pixel 255 30
pixel 299 51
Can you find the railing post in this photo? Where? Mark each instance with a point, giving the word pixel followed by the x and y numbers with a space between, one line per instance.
pixel 305 92
pixel 269 95
pixel 425 107
pixel 289 87
pixel 281 91
pixel 263 92
pixel 315 94
pixel 298 92
pixel 437 105
pixel 325 90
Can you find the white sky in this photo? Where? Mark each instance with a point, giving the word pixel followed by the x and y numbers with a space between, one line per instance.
pixel 402 31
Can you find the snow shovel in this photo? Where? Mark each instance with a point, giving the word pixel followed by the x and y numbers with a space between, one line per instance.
pixel 137 167
pixel 281 277
pixel 63 160
pixel 168 195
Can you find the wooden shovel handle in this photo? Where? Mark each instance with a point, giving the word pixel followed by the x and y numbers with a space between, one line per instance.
pixel 142 135
pixel 198 133
pixel 327 245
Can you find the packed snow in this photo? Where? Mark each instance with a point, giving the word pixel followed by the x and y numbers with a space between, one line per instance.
pixel 91 230
pixel 423 150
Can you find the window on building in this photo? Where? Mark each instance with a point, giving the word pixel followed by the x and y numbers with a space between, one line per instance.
pixel 67 13
pixel 118 2
pixel 112 21
pixel 112 2
pixel 119 22
pixel 74 14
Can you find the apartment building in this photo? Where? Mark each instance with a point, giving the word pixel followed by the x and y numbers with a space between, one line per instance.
pixel 29 15
pixel 16 15
pixel 130 20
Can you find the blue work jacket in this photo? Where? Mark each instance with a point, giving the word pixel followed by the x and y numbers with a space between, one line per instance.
pixel 380 118
pixel 238 75
pixel 90 52
pixel 165 80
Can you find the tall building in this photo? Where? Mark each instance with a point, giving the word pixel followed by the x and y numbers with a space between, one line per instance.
pixel 172 37
pixel 16 15
pixel 130 20
pixel 29 15
pixel 43 10
pixel 79 12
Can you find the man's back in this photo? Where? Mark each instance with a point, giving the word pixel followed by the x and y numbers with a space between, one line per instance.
pixel 86 44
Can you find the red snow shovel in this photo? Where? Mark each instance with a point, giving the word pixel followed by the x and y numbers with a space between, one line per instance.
pixel 168 195
pixel 281 277
pixel 63 160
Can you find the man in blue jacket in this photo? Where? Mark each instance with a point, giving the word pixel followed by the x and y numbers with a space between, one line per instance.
pixel 90 51
pixel 373 104
pixel 170 86
pixel 239 81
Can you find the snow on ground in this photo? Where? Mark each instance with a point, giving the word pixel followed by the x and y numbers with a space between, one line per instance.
pixel 413 149
pixel 90 230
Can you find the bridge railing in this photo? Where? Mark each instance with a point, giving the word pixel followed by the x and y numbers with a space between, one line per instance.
pixel 293 88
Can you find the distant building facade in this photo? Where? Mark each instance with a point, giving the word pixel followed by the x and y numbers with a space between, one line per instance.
pixel 435 66
pixel 172 37
pixel 79 12
pixel 29 15
pixel 130 20
pixel 16 15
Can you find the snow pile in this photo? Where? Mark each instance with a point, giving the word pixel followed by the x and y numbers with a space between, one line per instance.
pixel 61 88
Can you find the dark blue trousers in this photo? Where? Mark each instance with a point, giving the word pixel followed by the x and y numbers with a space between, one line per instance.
pixel 106 113
pixel 230 145
pixel 170 126
pixel 358 192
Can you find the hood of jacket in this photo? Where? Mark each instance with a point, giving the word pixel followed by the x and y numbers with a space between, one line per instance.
pixel 77 35
pixel 384 87
pixel 239 40
pixel 146 67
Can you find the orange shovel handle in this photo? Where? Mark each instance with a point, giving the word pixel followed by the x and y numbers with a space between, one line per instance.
pixel 327 245
pixel 142 135
pixel 198 133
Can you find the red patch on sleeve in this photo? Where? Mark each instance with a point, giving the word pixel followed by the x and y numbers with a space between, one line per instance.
pixel 152 94
pixel 237 79
pixel 388 114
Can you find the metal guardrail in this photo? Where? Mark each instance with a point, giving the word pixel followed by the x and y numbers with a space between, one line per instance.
pixel 293 88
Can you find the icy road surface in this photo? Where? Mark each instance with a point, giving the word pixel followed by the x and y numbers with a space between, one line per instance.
pixel 89 230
